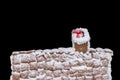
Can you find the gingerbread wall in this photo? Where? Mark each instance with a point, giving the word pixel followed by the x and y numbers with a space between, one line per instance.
pixel 61 64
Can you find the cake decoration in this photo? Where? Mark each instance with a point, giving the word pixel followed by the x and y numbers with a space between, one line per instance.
pixel 79 33
pixel 80 39
pixel 79 62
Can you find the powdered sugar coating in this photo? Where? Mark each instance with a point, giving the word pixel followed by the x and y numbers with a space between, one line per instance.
pixel 62 63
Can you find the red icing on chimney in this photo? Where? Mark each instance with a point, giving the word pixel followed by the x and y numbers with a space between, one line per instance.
pixel 79 33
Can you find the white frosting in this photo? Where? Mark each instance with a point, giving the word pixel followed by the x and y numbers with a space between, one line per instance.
pixel 41 76
pixel 109 73
pixel 88 56
pixel 99 49
pixel 89 77
pixel 25 57
pixel 83 39
pixel 80 78
pixel 27 79
pixel 16 52
pixel 89 68
pixel 57 78
pixel 16 59
pixel 72 61
pixel 109 50
pixel 72 78
pixel 58 65
pixel 65 63
pixel 49 78
pixel 51 63
pixel 31 79
pixel 97 62
pixel 40 70
pixel 78 68
pixel 11 58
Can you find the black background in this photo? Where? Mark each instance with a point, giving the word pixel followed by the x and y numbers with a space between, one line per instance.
pixel 37 30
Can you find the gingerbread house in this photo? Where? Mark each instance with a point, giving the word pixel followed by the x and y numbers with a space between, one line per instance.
pixel 79 62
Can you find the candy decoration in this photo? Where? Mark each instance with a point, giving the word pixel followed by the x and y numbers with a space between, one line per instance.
pixel 79 33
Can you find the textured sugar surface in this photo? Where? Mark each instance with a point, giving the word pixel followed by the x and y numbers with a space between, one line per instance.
pixel 61 64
